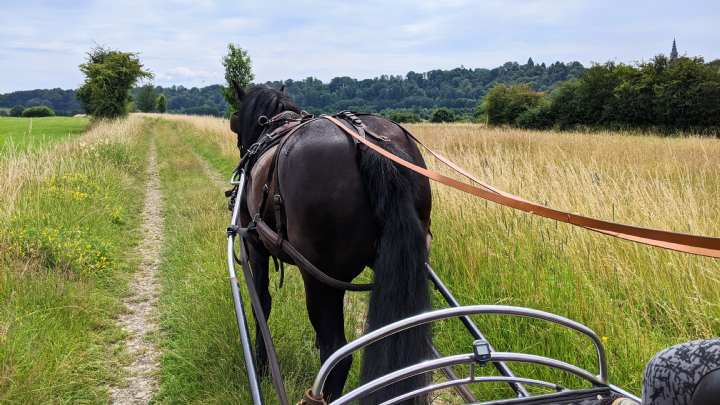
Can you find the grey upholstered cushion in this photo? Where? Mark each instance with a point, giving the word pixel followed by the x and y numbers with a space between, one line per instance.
pixel 672 375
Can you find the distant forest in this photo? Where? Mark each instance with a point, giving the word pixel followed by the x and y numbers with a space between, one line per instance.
pixel 459 89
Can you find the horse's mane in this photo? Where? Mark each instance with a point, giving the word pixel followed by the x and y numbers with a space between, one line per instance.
pixel 261 100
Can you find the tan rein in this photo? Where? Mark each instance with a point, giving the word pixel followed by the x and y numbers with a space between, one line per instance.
pixel 699 245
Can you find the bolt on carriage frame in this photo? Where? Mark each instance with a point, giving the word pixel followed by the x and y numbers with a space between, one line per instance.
pixel 482 352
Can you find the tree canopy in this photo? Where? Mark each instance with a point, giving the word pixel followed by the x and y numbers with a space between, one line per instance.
pixel 161 104
pixel 109 76
pixel 238 69
pixel 662 94
pixel 146 99
pixel 38 111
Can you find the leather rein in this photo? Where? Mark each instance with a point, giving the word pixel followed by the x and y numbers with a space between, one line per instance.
pixel 681 242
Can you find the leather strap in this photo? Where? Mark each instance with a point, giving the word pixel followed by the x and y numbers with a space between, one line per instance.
pixel 699 245
pixel 267 234
pixel 273 362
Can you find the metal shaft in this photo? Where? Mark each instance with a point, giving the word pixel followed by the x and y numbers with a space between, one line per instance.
pixel 474 330
pixel 252 374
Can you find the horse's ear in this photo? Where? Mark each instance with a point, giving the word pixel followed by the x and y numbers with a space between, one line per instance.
pixel 283 90
pixel 238 91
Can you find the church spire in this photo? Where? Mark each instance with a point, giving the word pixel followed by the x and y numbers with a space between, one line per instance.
pixel 674 52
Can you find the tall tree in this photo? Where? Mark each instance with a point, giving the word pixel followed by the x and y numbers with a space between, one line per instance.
pixel 146 99
pixel 674 52
pixel 161 105
pixel 109 76
pixel 238 69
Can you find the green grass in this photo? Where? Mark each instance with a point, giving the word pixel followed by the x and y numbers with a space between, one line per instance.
pixel 21 134
pixel 65 257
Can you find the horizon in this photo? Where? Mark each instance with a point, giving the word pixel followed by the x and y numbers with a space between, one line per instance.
pixel 182 41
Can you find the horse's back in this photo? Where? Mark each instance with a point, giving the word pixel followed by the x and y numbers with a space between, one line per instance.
pixel 328 215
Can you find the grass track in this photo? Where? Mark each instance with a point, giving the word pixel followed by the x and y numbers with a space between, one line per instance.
pixel 64 263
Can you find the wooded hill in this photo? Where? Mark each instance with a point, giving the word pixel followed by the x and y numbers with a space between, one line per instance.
pixel 459 89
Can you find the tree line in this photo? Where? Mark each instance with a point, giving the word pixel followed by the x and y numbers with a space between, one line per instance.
pixel 665 94
pixel 414 96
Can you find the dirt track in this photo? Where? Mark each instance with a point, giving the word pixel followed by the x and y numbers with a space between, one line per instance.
pixel 140 321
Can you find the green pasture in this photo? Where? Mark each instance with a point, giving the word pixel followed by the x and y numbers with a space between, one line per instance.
pixel 21 134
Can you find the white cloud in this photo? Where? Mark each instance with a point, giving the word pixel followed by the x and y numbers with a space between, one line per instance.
pixel 182 41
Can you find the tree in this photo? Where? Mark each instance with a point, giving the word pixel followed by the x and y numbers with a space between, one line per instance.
pixel 38 111
pixel 109 76
pixel 146 99
pixel 17 111
pixel 443 115
pixel 503 104
pixel 161 104
pixel 403 116
pixel 673 52
pixel 238 69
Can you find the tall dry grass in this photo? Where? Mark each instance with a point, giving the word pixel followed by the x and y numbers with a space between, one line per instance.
pixel 69 222
pixel 19 168
pixel 640 299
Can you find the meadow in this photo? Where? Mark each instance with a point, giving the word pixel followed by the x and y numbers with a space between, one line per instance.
pixel 639 299
pixel 69 215
pixel 21 134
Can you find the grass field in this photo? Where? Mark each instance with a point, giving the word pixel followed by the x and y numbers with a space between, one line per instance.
pixel 69 216
pixel 21 134
pixel 59 219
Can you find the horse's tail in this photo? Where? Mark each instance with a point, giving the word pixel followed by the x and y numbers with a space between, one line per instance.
pixel 401 284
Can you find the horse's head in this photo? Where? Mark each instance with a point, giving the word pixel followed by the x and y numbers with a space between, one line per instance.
pixel 257 102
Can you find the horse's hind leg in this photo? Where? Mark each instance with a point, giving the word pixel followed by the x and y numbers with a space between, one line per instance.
pixel 325 309
pixel 259 262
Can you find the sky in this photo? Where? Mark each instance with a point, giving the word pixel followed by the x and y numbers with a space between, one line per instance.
pixel 42 42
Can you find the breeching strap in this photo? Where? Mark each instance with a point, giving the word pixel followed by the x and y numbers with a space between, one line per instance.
pixel 699 245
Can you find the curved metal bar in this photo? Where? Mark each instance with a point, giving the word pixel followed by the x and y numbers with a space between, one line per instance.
pixel 446 313
pixel 471 380
pixel 403 373
pixel 473 329
pixel 237 300
pixel 430 365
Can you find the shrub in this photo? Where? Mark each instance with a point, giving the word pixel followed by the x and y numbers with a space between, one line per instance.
pixel 539 117
pixel 443 115
pixel 38 111
pixel 403 116
pixel 146 98
pixel 17 111
pixel 503 104
pixel 161 104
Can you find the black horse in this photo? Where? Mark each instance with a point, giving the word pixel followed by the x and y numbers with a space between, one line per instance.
pixel 345 208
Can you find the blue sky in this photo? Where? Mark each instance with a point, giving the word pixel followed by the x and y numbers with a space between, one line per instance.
pixel 42 42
